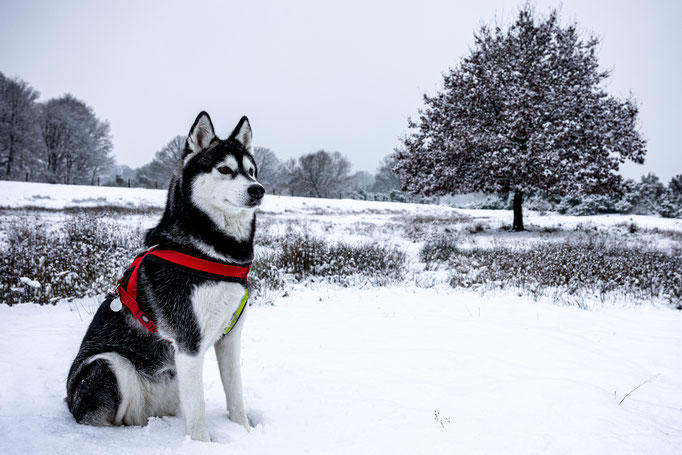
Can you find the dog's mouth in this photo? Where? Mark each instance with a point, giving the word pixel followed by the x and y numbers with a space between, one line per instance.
pixel 250 204
pixel 254 202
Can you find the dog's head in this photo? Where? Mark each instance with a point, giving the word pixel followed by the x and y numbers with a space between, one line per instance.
pixel 222 173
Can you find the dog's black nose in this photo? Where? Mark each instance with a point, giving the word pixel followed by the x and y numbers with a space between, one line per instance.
pixel 256 191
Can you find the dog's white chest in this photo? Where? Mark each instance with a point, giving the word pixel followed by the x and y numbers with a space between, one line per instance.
pixel 214 305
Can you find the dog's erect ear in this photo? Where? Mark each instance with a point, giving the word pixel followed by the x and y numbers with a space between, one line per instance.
pixel 242 134
pixel 200 135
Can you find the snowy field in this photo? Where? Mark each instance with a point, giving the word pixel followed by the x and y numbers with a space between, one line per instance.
pixel 44 195
pixel 410 367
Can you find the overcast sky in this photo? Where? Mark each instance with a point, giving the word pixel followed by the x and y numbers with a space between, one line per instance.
pixel 310 74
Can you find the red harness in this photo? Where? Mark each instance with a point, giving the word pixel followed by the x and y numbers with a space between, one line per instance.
pixel 127 290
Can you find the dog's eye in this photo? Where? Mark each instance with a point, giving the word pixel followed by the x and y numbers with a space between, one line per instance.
pixel 224 170
pixel 251 172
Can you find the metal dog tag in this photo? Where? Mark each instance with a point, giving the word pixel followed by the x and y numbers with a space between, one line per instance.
pixel 116 305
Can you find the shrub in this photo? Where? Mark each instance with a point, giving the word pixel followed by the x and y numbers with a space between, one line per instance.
pixel 83 257
pixel 670 205
pixel 594 264
pixel 85 254
pixel 298 257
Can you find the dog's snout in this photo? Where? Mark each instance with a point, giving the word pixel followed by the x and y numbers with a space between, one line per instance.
pixel 256 191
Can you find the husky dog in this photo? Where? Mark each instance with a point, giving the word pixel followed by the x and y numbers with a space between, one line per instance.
pixel 124 373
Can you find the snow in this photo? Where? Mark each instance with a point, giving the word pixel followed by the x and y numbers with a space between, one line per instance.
pixel 45 195
pixel 567 221
pixel 331 370
pixel 29 282
pixel 399 369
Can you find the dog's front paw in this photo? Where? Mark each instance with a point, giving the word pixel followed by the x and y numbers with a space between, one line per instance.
pixel 241 419
pixel 200 435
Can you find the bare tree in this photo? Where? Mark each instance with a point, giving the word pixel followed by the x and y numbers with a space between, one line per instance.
pixel 77 144
pixel 18 127
pixel 361 181
pixel 271 172
pixel 170 153
pixel 159 171
pixel 319 174
pixel 386 179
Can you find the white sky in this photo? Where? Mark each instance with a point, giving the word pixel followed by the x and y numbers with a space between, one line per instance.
pixel 310 75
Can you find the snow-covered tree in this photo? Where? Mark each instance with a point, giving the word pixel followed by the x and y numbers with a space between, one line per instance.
pixel 670 202
pixel 525 111
pixel 669 206
pixel 675 185
pixel 649 190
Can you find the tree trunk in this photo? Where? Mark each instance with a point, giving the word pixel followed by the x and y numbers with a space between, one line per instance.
pixel 10 156
pixel 518 213
pixel 8 170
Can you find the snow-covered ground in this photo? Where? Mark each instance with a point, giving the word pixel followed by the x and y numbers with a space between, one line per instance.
pixel 400 369
pixel 21 194
pixel 330 370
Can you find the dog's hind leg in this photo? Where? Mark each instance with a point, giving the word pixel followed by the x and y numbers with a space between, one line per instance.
pixel 228 351
pixel 140 398
pixel 92 394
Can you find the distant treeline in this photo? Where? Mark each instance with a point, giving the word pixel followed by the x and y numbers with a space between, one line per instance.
pixel 649 196
pixel 60 140
pixel 320 174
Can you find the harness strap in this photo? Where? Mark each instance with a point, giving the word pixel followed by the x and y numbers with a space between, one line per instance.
pixel 238 312
pixel 216 268
pixel 134 308
pixel 127 291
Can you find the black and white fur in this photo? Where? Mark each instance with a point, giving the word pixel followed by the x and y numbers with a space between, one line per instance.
pixel 124 374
